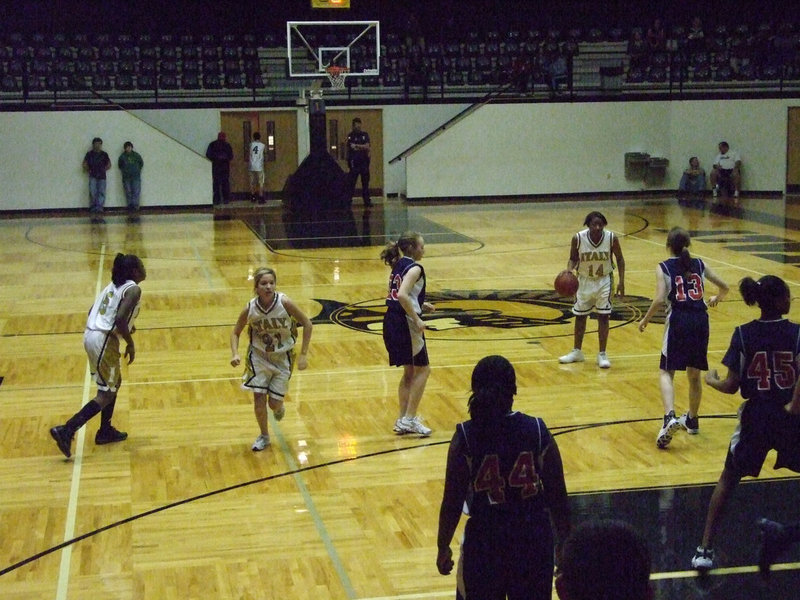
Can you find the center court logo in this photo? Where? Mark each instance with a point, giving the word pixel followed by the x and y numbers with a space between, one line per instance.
pixel 478 314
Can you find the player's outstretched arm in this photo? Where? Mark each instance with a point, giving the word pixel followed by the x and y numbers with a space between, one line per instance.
pixel 456 484
pixel 616 250
pixel 658 300
pixel 729 385
pixel 241 322
pixel 721 285
pixel 302 320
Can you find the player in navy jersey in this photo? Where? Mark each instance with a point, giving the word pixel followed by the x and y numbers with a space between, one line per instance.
pixel 504 469
pixel 680 284
pixel 763 360
pixel 404 329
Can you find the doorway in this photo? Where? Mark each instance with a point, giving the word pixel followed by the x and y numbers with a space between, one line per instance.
pixel 278 132
pixel 793 151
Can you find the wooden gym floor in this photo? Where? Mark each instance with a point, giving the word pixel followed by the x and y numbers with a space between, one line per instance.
pixel 339 507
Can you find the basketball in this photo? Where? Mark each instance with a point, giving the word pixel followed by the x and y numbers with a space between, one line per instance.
pixel 566 284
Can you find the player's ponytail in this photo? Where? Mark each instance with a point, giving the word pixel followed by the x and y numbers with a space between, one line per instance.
pixel 494 384
pixel 123 268
pixel 678 241
pixel 769 293
pixel 391 254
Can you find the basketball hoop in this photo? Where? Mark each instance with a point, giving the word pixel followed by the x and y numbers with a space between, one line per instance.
pixel 336 75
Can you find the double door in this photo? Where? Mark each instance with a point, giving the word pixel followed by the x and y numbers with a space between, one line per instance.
pixel 278 131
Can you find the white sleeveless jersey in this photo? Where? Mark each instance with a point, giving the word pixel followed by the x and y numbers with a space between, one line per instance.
pixel 257 156
pixel 272 329
pixel 103 314
pixel 595 259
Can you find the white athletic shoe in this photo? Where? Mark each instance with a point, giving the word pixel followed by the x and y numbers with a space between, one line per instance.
pixel 602 360
pixel 398 427
pixel 414 425
pixel 262 441
pixel 279 412
pixel 671 425
pixel 703 559
pixel 575 355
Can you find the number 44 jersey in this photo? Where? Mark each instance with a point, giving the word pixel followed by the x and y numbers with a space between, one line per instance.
pixel 505 465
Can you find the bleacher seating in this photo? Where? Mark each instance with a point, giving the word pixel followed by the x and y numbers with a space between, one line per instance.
pixel 469 61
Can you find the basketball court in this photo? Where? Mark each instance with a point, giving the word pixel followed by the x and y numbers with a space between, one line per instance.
pixel 340 507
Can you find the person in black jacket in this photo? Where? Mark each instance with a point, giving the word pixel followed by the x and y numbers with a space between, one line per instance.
pixel 220 154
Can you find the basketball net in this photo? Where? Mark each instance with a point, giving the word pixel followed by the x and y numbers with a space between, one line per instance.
pixel 336 75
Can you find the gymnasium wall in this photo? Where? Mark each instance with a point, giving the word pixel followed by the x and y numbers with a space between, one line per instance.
pixel 41 155
pixel 524 149
pixel 500 150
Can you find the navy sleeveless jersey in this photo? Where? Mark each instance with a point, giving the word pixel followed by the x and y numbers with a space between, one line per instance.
pixel 685 290
pixel 399 271
pixel 765 354
pixel 505 466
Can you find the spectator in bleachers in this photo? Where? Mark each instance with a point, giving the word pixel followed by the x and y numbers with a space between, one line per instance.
pixel 726 172
pixel 695 37
pixel 693 180
pixel 638 50
pixel 656 36
pixel 556 68
pixel 131 163
pixel 784 45
pixel 96 162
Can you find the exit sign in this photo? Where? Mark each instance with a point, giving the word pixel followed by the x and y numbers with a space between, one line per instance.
pixel 330 3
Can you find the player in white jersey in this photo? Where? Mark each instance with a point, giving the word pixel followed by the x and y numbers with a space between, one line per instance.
pixel 256 168
pixel 110 318
pixel 592 253
pixel 272 319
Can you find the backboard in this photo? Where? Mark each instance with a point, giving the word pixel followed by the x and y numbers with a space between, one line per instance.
pixel 312 46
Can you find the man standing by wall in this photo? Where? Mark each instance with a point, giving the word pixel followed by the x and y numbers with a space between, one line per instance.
pixel 220 153
pixel 256 169
pixel 96 163
pixel 130 163
pixel 358 159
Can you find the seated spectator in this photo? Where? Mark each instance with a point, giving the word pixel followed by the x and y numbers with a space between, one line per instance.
pixel 638 50
pixel 693 180
pixel 726 172
pixel 657 36
pixel 557 71
pixel 604 559
pixel 695 37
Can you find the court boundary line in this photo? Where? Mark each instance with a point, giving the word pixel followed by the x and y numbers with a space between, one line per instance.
pixel 62 584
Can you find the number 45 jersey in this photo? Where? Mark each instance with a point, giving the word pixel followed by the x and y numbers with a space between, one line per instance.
pixel 766 355
pixel 505 466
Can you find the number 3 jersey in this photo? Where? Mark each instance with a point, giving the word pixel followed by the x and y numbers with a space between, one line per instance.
pixel 272 329
pixel 505 464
